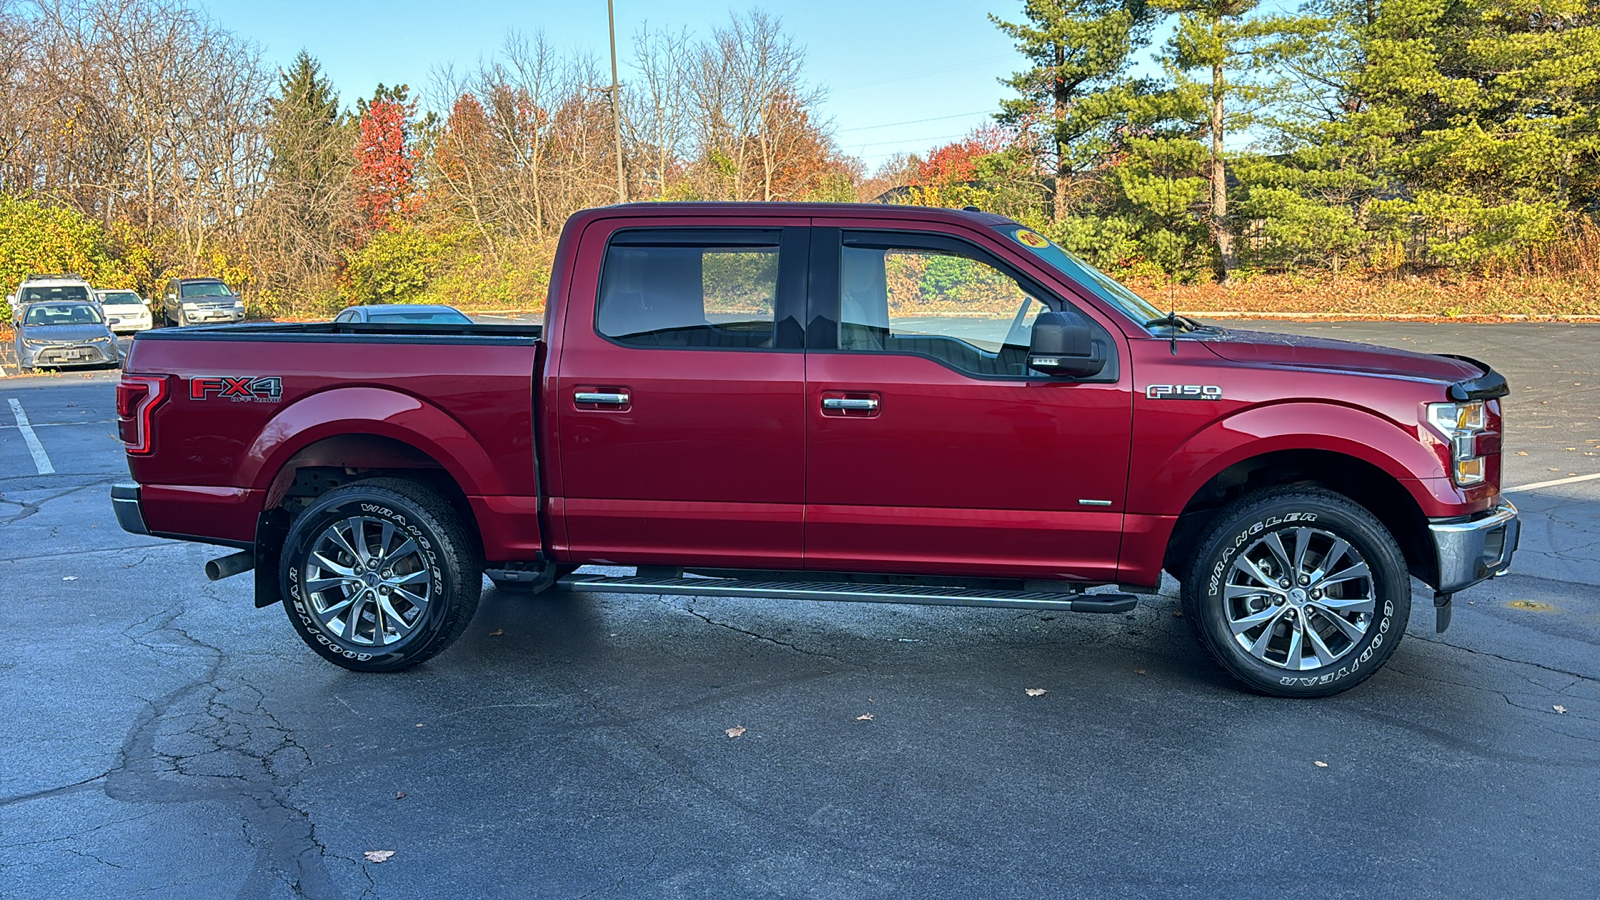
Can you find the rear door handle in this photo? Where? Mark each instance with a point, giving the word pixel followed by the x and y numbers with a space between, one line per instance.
pixel 849 403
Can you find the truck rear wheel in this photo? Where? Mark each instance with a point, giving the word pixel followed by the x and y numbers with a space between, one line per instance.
pixel 1298 592
pixel 380 575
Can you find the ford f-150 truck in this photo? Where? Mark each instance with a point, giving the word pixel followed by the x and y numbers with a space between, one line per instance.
pixel 831 402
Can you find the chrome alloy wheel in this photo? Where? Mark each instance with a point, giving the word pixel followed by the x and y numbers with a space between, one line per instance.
pixel 1299 605
pixel 368 584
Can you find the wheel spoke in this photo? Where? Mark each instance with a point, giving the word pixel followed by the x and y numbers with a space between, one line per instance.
pixel 344 543
pixel 1350 629
pixel 1246 592
pixel 332 566
pixel 1295 660
pixel 322 584
pixel 420 575
pixel 1335 553
pixel 413 599
pixel 383 541
pixel 328 612
pixel 1275 545
pixel 401 551
pixel 1324 654
pixel 353 616
pixel 1248 566
pixel 1302 542
pixel 1342 606
pixel 1268 617
pixel 1359 570
pixel 1258 648
pixel 396 621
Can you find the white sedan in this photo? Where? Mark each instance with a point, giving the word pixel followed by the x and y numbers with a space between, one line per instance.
pixel 125 310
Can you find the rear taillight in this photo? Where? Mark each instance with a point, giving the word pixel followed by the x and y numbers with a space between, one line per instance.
pixel 137 398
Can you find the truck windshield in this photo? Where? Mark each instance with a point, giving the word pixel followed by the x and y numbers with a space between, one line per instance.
pixel 54 292
pixel 1081 273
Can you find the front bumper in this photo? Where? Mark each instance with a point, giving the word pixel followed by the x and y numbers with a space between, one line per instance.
pixel 1476 549
pixel 209 314
pixel 130 515
pixel 55 356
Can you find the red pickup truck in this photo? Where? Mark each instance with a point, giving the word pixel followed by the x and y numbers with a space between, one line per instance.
pixel 830 402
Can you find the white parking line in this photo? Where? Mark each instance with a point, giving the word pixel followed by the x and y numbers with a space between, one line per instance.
pixel 41 460
pixel 1545 484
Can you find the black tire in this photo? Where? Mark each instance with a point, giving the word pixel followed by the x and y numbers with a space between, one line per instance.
pixel 416 539
pixel 1222 593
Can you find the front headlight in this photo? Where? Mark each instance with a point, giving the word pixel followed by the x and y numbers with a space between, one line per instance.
pixel 1461 424
pixel 190 305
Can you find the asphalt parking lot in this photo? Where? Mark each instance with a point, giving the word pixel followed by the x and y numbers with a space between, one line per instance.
pixel 166 738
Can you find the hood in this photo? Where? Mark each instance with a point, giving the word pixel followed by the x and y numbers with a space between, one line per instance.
pixel 64 332
pixel 1267 348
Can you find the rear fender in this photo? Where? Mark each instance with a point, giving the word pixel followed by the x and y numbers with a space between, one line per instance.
pixel 376 411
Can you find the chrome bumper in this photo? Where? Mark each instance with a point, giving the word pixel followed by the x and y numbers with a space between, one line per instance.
pixel 1476 549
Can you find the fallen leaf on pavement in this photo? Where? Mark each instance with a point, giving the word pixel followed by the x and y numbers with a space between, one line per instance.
pixel 735 731
pixel 1320 764
pixel 378 856
pixel 864 717
pixel 399 795
pixel 69 578
pixel 1522 453
pixel 1140 672
pixel 1560 710
pixel 1177 614
pixel 1036 692
pixel 497 632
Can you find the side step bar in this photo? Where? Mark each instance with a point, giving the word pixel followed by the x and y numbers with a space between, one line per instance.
pixel 861 593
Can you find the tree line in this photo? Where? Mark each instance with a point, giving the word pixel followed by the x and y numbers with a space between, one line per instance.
pixel 1197 139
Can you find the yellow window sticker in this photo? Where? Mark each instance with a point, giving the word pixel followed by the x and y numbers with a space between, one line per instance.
pixel 1031 239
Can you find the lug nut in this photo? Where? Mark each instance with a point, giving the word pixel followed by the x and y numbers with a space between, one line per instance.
pixel 1277 601
pixel 384 590
pixel 359 570
pixel 1305 579
pixel 1284 583
pixel 1316 595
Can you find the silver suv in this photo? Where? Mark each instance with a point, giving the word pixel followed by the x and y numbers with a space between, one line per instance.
pixel 40 288
pixel 197 301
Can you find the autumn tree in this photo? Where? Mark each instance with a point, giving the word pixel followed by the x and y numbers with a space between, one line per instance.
pixel 384 164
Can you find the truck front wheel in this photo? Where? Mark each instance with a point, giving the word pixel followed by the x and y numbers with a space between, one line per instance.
pixel 1297 592
pixel 380 575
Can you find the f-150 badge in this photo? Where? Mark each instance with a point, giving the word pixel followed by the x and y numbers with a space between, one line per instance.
pixel 1183 392
pixel 238 388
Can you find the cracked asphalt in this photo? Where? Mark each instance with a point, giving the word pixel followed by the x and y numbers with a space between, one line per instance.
pixel 164 738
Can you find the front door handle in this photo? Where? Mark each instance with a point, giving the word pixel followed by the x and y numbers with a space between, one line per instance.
pixel 601 399
pixel 856 403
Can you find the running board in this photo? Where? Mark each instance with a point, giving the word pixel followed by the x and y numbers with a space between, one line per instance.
pixel 847 591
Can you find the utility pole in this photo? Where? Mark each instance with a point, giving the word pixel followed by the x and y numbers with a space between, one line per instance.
pixel 616 103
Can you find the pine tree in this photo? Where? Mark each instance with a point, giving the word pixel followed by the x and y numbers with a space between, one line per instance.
pixel 1237 53
pixel 1078 89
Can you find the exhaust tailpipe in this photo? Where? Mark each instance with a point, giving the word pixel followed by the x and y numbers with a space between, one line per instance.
pixel 233 564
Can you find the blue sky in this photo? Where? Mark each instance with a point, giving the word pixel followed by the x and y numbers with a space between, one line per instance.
pixel 902 76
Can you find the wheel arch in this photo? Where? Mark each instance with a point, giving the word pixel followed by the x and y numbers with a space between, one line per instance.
pixel 1363 482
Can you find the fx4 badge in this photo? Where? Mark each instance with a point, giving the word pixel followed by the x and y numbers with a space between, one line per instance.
pixel 238 388
pixel 1183 392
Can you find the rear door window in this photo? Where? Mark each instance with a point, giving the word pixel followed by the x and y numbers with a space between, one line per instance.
pixel 690 290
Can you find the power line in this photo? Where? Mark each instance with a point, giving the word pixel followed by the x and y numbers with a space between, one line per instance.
pixel 914 121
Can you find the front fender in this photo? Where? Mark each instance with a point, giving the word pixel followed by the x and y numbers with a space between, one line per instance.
pixel 377 411
pixel 1170 480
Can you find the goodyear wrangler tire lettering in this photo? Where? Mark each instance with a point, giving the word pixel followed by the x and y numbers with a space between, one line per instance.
pixel 381 575
pixel 1297 592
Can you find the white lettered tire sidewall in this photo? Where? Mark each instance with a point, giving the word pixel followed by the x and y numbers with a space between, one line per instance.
pixel 453 565
pixel 1254 516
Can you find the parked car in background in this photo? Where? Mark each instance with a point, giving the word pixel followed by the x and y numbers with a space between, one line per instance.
pixel 59 333
pixel 125 310
pixel 42 288
pixel 197 301
pixel 402 313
